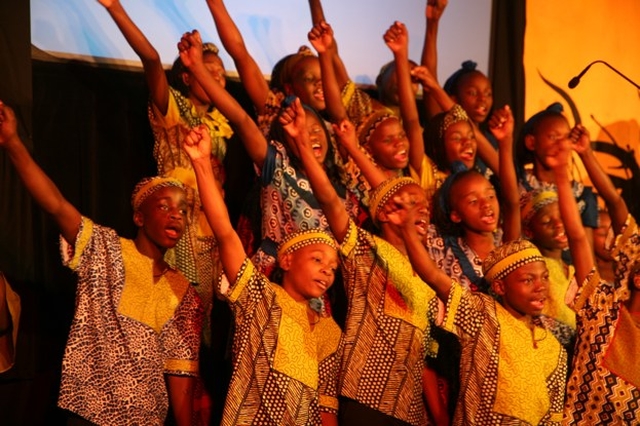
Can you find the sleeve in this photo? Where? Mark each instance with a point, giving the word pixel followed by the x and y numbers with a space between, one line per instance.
pixel 181 339
pixel 329 367
pixel 248 289
pixel 464 312
pixel 589 215
pixel 270 164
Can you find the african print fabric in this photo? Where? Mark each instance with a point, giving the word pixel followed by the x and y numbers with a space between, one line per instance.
pixel 284 371
pixel 511 372
pixel 387 331
pixel 127 332
pixel 603 387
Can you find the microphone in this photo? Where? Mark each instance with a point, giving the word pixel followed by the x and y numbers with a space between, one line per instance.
pixel 576 80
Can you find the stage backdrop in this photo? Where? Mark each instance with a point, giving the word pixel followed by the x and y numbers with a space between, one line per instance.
pixel 561 39
pixel 271 29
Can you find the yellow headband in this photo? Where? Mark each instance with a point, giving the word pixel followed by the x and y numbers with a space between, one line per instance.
pixel 148 186
pixel 370 123
pixel 509 257
pixel 532 202
pixel 384 192
pixel 302 238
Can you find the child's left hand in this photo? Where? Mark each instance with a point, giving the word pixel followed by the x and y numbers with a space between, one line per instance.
pixel 190 49
pixel 580 139
pixel 397 37
pixel 321 37
pixel 424 76
pixel 197 143
pixel 402 210
pixel 293 121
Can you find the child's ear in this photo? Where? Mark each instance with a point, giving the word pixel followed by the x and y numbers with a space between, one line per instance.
pixel 527 233
pixel 498 287
pixel 285 261
pixel 455 217
pixel 138 218
pixel 530 142
pixel 186 78
pixel 288 89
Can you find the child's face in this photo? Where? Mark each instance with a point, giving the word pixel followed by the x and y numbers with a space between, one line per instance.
pixel 317 137
pixel 474 204
pixel 475 96
pixel 549 132
pixel 311 271
pixel 214 65
pixel 600 237
pixel 389 145
pixel 524 291
pixel 460 144
pixel 162 216
pixel 417 197
pixel 546 229
pixel 389 87
pixel 307 83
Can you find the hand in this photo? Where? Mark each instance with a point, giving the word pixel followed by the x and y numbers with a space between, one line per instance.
pixel 294 122
pixel 435 9
pixel 8 125
pixel 402 210
pixel 321 37
pixel 501 124
pixel 424 76
pixel 108 3
pixel 580 139
pixel 397 37
pixel 190 49
pixel 197 143
pixel 345 133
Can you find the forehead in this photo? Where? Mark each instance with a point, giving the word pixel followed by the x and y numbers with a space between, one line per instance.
pixel 306 64
pixel 325 249
pixel 412 189
pixel 472 182
pixel 532 268
pixel 550 209
pixel 459 127
pixel 552 122
pixel 474 78
pixel 168 192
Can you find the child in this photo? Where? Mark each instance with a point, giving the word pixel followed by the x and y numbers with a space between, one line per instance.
pixel 134 341
pixel 285 364
pixel 540 134
pixel 603 386
pixel 512 369
pixel 172 109
pixel 9 322
pixel 386 334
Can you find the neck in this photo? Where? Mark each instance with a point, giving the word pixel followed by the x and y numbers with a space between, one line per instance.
pixel 394 238
pixel 480 243
pixel 543 174
pixel 605 269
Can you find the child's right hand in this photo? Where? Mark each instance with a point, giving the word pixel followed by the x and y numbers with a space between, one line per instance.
pixel 501 124
pixel 580 139
pixel 8 125
pixel 197 143
pixel 321 37
pixel 190 49
pixel 557 157
pixel 397 37
pixel 293 121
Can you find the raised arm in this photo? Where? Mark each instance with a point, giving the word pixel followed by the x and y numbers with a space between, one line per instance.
pixel 250 74
pixel 321 38
pixel 581 250
pixel 293 122
pixel 433 12
pixel 151 62
pixel 397 39
pixel 190 48
pixel 41 188
pixel 616 206
pixel 232 253
pixel 501 125
pixel 317 16
pixel 346 135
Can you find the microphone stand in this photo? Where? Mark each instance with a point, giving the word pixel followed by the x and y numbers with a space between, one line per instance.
pixel 576 80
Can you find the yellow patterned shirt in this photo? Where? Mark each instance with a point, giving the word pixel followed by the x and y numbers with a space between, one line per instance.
pixel 284 371
pixel 509 372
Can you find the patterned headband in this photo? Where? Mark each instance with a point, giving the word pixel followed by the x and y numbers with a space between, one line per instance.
pixel 508 257
pixel 384 192
pixel 370 123
pixel 532 202
pixel 453 116
pixel 148 186
pixel 303 238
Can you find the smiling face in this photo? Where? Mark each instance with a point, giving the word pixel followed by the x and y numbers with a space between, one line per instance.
pixel 306 83
pixel 460 144
pixel 524 291
pixel 546 229
pixel 309 271
pixel 474 204
pixel 161 217
pixel 475 95
pixel 389 145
